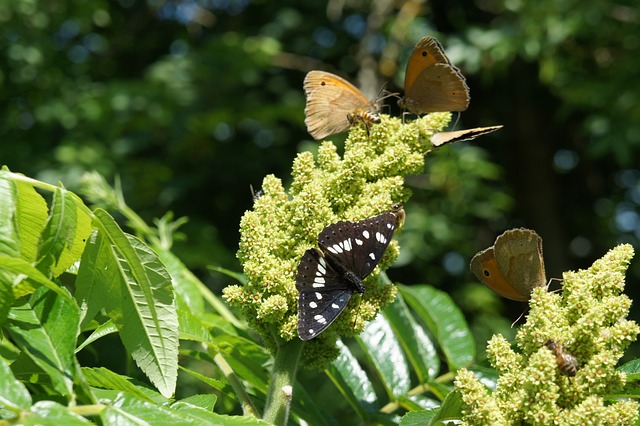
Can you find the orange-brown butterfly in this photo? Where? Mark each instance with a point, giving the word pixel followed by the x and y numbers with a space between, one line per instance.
pixel 432 83
pixel 513 266
pixel 334 105
pixel 442 138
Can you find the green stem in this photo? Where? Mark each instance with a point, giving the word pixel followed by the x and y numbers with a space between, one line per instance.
pixel 248 409
pixel 283 376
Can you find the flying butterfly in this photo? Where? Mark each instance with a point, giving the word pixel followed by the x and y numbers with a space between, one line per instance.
pixel 334 105
pixel 327 277
pixel 567 363
pixel 442 138
pixel 431 82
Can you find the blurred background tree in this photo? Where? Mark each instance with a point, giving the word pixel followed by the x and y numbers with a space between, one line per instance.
pixel 191 102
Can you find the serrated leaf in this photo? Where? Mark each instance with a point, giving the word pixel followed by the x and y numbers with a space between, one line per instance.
pixel 13 393
pixel 49 413
pixel 58 232
pixel 104 378
pixel 185 284
pixel 6 293
pixel 102 330
pixel 81 227
pixel 31 216
pixel 192 327
pixel 214 383
pixel 127 410
pixel 416 344
pixel 445 321
pixel 204 401
pixel 45 328
pixel 145 313
pixel 384 350
pixel 17 266
pixel 9 236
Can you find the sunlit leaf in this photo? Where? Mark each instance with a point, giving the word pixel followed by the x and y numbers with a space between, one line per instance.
pixel 417 346
pixel 384 350
pixel 44 328
pixel 444 320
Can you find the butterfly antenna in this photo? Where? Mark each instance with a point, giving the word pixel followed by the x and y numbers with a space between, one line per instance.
pixel 559 285
pixel 457 119
pixel 519 318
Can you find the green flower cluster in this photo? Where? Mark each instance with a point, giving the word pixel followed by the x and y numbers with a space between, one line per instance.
pixel 365 181
pixel 589 319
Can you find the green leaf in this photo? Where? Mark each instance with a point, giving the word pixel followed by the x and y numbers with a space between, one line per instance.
pixel 14 395
pixel 384 350
pixel 246 358
pixel 49 413
pixel 31 215
pixel 82 228
pixel 6 293
pixel 445 321
pixel 59 231
pixel 416 344
pixel 104 378
pixel 451 409
pixel 231 274
pixel 102 330
pixel 145 313
pixel 487 376
pixel 418 418
pixel 17 266
pixel 214 383
pixel 185 284
pixel 632 369
pixel 9 236
pixel 45 329
pixel 127 410
pixel 204 401
pixel 352 382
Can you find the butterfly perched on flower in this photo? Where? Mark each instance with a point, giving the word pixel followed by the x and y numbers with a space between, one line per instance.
pixel 327 277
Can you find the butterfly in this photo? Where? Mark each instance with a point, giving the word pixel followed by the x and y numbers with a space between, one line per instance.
pixel 431 82
pixel 442 138
pixel 334 105
pixel 327 277
pixel 513 266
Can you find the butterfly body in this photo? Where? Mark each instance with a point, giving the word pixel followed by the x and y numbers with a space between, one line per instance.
pixel 328 276
pixel 432 83
pixel 513 266
pixel 334 105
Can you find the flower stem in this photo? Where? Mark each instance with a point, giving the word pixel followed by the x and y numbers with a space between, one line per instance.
pixel 283 376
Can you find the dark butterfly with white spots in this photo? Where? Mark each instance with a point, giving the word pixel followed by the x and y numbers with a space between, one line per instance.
pixel 327 277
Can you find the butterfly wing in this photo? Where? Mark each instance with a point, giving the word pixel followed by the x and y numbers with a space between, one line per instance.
pixel 331 100
pixel 442 138
pixel 439 88
pixel 485 267
pixel 359 246
pixel 518 253
pixel 323 294
pixel 431 82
